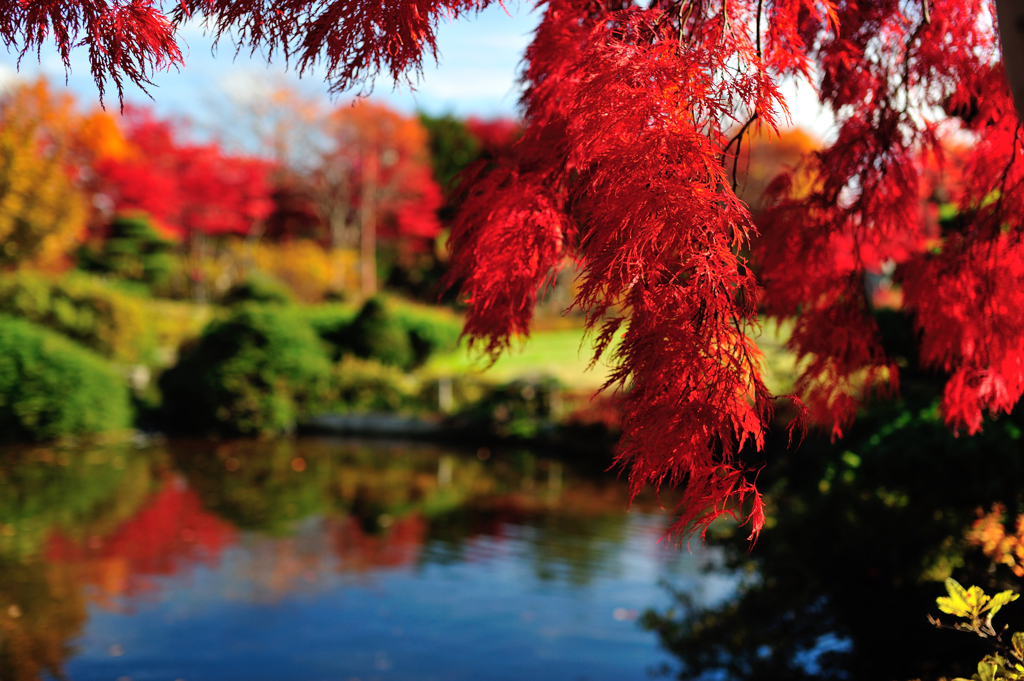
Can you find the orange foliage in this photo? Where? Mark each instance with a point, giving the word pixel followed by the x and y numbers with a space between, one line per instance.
pixel 400 181
pixel 764 157
pixel 990 534
pixel 307 268
pixel 48 146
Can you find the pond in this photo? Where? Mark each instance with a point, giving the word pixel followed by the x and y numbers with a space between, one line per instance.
pixel 323 559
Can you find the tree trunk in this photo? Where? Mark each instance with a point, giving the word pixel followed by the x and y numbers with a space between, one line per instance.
pixel 1011 32
pixel 336 224
pixel 368 226
pixel 252 240
pixel 197 246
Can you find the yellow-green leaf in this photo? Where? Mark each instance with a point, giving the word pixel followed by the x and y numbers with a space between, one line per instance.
pixel 957 601
pixel 999 600
pixel 1017 641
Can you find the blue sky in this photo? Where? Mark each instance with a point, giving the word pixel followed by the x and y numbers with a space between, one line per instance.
pixel 479 62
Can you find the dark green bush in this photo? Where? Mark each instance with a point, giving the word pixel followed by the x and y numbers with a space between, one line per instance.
pixel 258 288
pixel 430 331
pixel 376 333
pixel 111 323
pixel 393 334
pixel 259 371
pixel 518 409
pixel 52 387
pixel 133 250
pixel 327 318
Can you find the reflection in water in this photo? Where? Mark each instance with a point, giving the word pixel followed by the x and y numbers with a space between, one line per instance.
pixel 170 530
pixel 43 609
pixel 323 559
pixel 863 533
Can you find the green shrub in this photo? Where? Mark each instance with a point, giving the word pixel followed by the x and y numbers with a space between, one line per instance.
pixel 133 250
pixel 376 333
pixel 52 387
pixel 398 335
pixel 259 371
pixel 431 331
pixel 258 288
pixel 367 385
pixel 111 323
pixel 328 318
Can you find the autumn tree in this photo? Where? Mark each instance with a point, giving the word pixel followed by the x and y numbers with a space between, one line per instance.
pixel 47 147
pixel 193 191
pixel 631 115
pixel 373 177
pixel 339 168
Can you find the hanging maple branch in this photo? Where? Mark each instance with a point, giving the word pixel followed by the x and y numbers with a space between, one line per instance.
pixel 630 116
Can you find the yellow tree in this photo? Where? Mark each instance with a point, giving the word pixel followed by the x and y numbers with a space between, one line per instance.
pixel 45 145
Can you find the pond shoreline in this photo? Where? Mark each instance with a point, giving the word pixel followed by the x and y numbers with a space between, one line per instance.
pixel 592 444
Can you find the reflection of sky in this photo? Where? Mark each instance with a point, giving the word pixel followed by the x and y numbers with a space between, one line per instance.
pixel 484 615
pixel 479 61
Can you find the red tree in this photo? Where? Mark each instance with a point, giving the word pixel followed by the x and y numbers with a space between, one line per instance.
pixel 624 164
pixel 373 178
pixel 496 136
pixel 190 189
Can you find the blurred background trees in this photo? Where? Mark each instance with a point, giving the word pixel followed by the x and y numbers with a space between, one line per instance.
pixel 314 194
pixel 150 246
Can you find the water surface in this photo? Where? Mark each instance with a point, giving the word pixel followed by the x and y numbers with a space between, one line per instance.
pixel 327 559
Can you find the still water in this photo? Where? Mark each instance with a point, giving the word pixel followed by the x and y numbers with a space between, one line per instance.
pixel 322 559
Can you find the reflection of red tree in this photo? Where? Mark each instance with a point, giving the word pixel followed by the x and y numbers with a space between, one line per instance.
pixel 360 551
pixel 170 532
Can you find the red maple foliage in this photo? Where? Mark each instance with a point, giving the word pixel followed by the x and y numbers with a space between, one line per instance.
pixel 633 118
pixel 187 188
pixel 496 136
pixel 124 39
pixel 630 119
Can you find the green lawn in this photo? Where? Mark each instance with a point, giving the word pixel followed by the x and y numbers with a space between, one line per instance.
pixel 556 354
pixel 559 353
